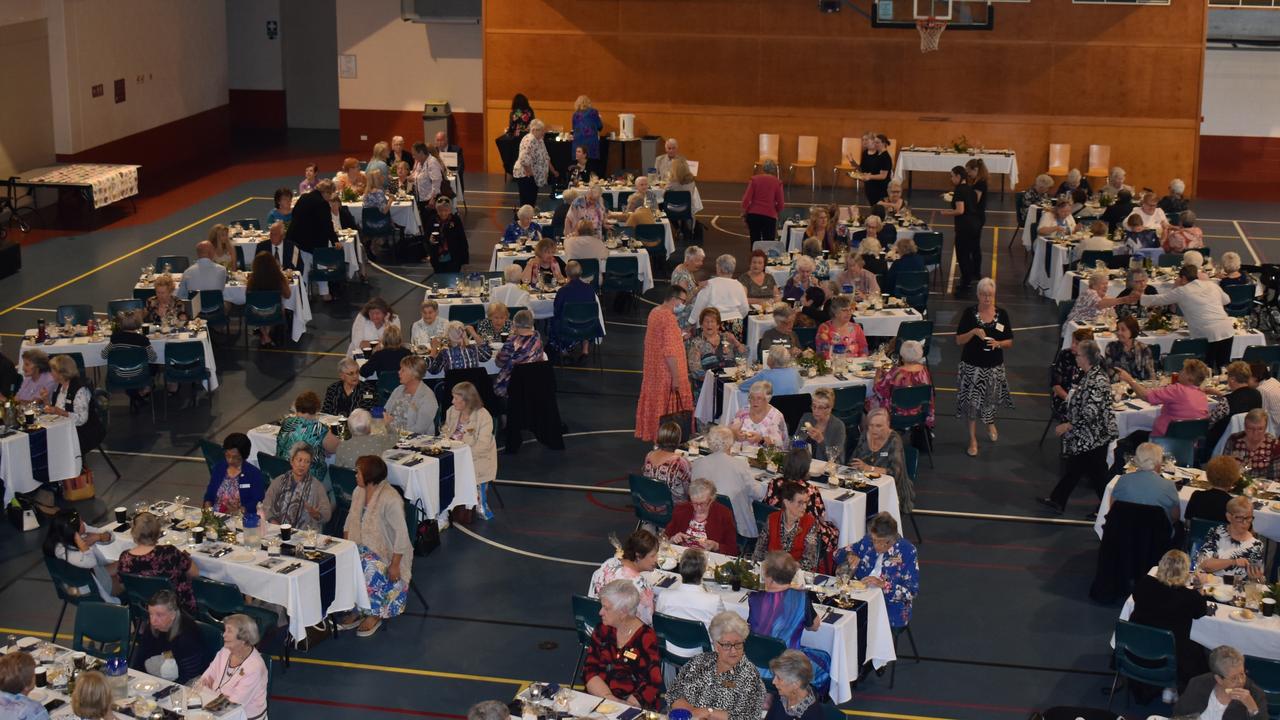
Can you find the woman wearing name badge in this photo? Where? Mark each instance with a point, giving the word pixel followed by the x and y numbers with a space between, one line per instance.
pixel 238 671
pixel 297 499
pixel 233 483
pixel 72 398
pixel 349 392
pixel 623 664
pixel 985 332
pixel 885 560
pixel 880 451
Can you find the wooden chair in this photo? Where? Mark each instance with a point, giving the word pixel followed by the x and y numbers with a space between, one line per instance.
pixel 1099 161
pixel 806 158
pixel 892 149
pixel 850 158
pixel 768 150
pixel 1059 159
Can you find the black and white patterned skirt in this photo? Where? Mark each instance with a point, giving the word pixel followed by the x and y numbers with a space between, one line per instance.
pixel 981 390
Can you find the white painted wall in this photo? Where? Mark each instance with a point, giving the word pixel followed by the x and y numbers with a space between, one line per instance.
pixel 172 55
pixel 310 35
pixel 26 137
pixel 401 64
pixel 254 60
pixel 1241 93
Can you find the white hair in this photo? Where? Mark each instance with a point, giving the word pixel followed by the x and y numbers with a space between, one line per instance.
pixel 911 351
pixel 986 284
pixel 511 273
pixel 728 622
pixel 702 488
pixel 692 252
pixel 672 142
pixel 1074 175
pixel 570 194
pixel 622 596
pixel 1192 257
pixel 1044 181
pixel 762 387
pixel 719 438
pixel 1230 261
pixel 346 364
pixel 725 264
pixel 778 357
pixel 1148 456
pixel 456 332
pixel 870 246
pixel 804 262
pixel 525 212
pixel 770 167
pixel 1177 187
pixel 1099 277
pixel 1117 173
pixel 792 666
pixel 537 125
pixel 300 447
pixel 360 422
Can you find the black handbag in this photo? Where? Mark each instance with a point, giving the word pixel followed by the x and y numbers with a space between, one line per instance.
pixel 683 418
pixel 426 534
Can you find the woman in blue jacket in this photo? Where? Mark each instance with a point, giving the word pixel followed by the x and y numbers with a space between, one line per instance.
pixel 234 483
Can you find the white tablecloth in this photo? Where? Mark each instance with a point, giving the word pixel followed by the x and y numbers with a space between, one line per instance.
pixel 417 482
pixel 403 213
pixel 793 233
pixel 839 638
pixel 45 694
pixel 878 323
pixel 1242 340
pixel 349 240
pixel 1259 637
pixel 1266 520
pixel 617 190
pixel 500 261
pixel 91 350
pixel 704 409
pixel 298 592
pixel 234 293
pixel 63 452
pixel 542 306
pixel 1062 254
pixel 928 161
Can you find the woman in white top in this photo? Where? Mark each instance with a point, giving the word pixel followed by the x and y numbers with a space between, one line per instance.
pixel 585 242
pixel 722 292
pixel 72 541
pixel 469 422
pixel 1058 222
pixel 1153 218
pixel 367 328
pixel 1097 239
pixel 431 325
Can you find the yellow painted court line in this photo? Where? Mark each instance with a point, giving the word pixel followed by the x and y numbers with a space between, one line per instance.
pixel 409 671
pixel 891 716
pixel 995 251
pixel 1011 392
pixel 128 255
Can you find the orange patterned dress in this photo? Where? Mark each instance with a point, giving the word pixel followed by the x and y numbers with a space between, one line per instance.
pixel 662 340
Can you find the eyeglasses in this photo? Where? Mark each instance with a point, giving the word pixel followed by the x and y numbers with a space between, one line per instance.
pixel 730 646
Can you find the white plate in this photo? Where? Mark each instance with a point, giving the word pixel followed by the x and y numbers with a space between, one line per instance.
pixel 243 556
pixel 38 694
pixel 27 643
pixel 1238 616
pixel 198 715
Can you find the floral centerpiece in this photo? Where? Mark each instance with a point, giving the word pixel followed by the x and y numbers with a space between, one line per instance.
pixel 810 360
pixel 767 455
pixel 1105 200
pixel 740 570
pixel 349 195
pixel 961 144
pixel 214 527
pixel 1158 320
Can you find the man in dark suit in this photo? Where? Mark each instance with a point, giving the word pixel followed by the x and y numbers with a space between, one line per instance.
pixel 285 252
pixel 443 145
pixel 312 227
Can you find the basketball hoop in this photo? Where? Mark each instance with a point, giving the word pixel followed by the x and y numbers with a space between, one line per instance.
pixel 930 32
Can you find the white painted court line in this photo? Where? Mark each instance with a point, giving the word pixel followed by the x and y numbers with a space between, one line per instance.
pixel 1247 244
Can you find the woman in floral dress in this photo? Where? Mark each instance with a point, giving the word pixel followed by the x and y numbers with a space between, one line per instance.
pixel 665 387
pixel 667 466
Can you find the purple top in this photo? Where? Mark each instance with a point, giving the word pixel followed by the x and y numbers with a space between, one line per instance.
pixel 30 390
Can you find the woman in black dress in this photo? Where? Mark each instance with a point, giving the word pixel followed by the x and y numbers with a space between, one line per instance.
pixel 968 224
pixel 976 171
pixel 876 168
pixel 985 332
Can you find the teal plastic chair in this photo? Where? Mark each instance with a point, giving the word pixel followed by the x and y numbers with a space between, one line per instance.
pixel 1198 347
pixel 115 307
pixel 911 458
pixel 262 308
pixel 909 409
pixel 1143 654
pixel 1182 451
pixel 388 381
pixel 586 616
pixel 467 314
pixel 580 322
pixel 913 287
pixel 1266 675
pixel 1197 530
pixel 216 600
pixel 78 314
pixel 761 649
pixel 212 452
pixel 344 486
pixel 272 466
pixel 591 272
pixel 1173 361
pixel 144 293
pixel 622 274
pixel 1169 260
pixel 78 359
pixel 929 248
pixel 918 330
pixel 210 639
pixel 1192 430
pixel 184 362
pixel 1089 258
pixel 213 309
pixel 724 500
pixel 682 633
pixel 329 264
pixel 1266 354
pixel 176 263
pixel 73 585
pixel 102 630
pixel 763 511
pixel 651 500
pixel 653 237
pixel 129 368
pixel 1241 304
pixel 138 591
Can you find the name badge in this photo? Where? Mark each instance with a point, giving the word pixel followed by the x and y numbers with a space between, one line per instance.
pixel 884 453
pixel 630 655
pixel 999 327
pixel 245 486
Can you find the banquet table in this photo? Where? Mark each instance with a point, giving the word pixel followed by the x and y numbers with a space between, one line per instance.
pixel 348 240
pixel 49 655
pixel 417 474
pixel 840 634
pixel 1044 276
pixel 403 213
pixel 616 190
pixel 499 260
pixel 1259 637
pixel 1266 513
pixel 101 184
pixel 62 455
pixel 258 575
pixel 793 232
pixel 704 408
pixel 942 160
pixel 542 305
pixel 92 347
pixel 234 293
pixel 1244 337
pixel 883 322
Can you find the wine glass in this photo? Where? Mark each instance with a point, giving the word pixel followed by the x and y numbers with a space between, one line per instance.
pixel 535 693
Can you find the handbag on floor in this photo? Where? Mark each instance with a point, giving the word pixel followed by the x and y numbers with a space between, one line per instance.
pixel 79 487
pixel 426 534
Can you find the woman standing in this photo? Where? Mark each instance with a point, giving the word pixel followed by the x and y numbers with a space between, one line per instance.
pixel 1087 431
pixel 468 421
pixel 976 171
pixel 376 525
pixel 985 332
pixel 968 226
pixel 762 202
pixel 523 346
pixel 1065 372
pixel 875 170
pixel 520 117
pixel 304 426
pixel 532 164
pixel 666 466
pixel 665 385
pixel 586 127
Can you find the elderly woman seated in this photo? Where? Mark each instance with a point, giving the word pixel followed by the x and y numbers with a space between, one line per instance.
pixel 702 521
pixel 297 499
pixel 909 261
pixel 792 530
pixel 803 278
pixel 759 282
pixel 1182 400
pixel 812 248
pixel 151 558
pixel 578 292
pixel 349 393
pixel 376 525
pixel 1231 274
pixel 1126 353
pixel 430 325
pixel 1222 473
pixel 856 280
pixel 1097 239
pixel 1225 691
pixel 544 266
pixel 234 483
pixel 72 397
pixel 1241 397
pixel 238 671
pixel 1166 601
pixel 37 381
pixel 667 466
pixel 721 684
pixel 840 334
pixel 783 331
pixel 874 229
pixel 884 559
pixel 793 697
pixel 873 256
pixel 1233 549
pixel 584 243
pixel 1042 189
pixel 523 229
pixel 18 681
pixel 760 423
pixel 164 308
pixel 909 372
pixel 880 451
pixel 780 372
pixel 412 406
pixel 466 349
pixel 495 324
pixel 1093 299
pixel 388 355
pixel 511 293
pixel 1183 234
pixel 823 431
pixel 1074 181
pixel 363 441
pixel 784 612
pixel 1255 446
pixel 623 664
pixel 588 206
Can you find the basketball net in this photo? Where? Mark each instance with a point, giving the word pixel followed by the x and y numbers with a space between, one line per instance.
pixel 930 32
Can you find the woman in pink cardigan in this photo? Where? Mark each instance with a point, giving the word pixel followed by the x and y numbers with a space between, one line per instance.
pixel 238 671
pixel 762 202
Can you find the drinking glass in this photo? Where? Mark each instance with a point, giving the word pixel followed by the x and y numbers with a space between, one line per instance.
pixel 535 693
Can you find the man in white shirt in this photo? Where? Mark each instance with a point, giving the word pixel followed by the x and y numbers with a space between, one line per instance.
pixel 1203 307
pixel 204 274
pixel 662 163
pixel 722 292
pixel 510 293
pixel 688 599
pixel 732 477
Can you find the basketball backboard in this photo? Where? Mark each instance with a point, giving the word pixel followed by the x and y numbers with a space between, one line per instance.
pixel 958 14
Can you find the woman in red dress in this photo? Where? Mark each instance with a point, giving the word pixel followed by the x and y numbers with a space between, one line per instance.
pixel 665 387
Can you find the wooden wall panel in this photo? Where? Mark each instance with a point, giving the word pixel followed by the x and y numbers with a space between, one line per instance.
pixel 715 73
